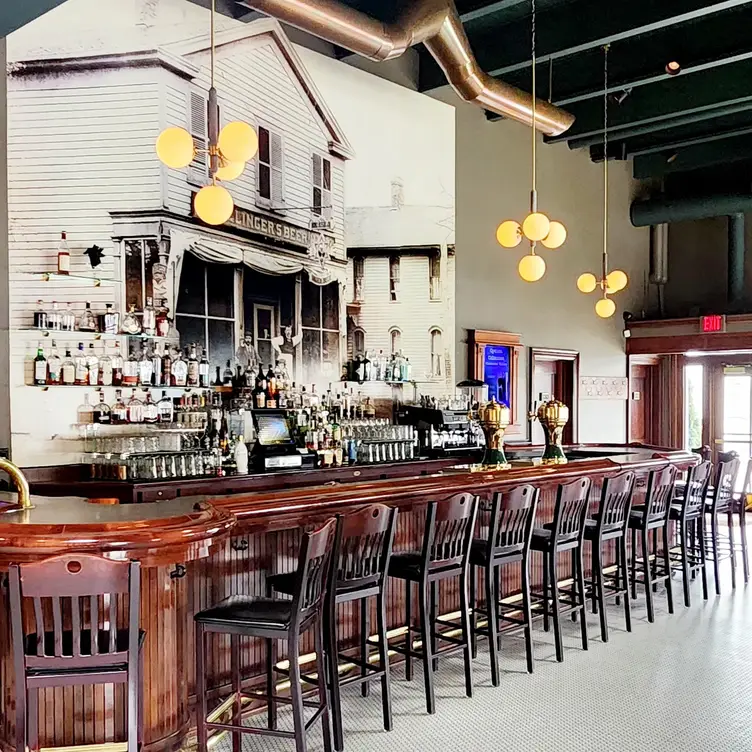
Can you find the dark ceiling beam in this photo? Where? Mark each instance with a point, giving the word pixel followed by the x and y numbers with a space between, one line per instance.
pixel 670 147
pixel 14 15
pixel 490 9
pixel 563 33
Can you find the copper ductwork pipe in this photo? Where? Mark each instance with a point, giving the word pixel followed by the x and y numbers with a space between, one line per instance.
pixel 437 25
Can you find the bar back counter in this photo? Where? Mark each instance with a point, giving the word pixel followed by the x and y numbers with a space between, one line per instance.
pixel 196 549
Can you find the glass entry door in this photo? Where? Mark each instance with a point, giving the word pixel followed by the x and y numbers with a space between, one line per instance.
pixel 737 410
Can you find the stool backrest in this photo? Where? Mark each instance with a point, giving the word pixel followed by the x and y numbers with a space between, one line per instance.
pixel 659 494
pixel 616 502
pixel 512 520
pixel 723 483
pixel 698 480
pixel 449 531
pixel 312 574
pixel 363 546
pixel 571 509
pixel 78 615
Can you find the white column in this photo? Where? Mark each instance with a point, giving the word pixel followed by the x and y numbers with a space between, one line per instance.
pixel 4 266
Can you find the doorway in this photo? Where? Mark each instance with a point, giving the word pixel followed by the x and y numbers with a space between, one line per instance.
pixel 554 374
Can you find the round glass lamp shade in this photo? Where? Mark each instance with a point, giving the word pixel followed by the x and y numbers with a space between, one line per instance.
pixel 238 142
pixel 509 234
pixel 616 280
pixel 214 204
pixel 557 234
pixel 586 282
pixel 536 226
pixel 230 171
pixel 531 268
pixel 605 308
pixel 175 147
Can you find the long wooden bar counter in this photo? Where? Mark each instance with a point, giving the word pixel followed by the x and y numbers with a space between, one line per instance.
pixel 197 550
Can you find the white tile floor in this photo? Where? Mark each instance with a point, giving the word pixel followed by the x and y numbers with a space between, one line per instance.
pixel 683 683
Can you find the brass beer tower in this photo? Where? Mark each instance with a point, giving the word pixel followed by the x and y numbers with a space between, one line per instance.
pixel 494 418
pixel 553 416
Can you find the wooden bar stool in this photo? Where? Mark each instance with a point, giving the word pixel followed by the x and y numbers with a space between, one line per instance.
pixel 565 533
pixel 688 512
pixel 447 539
pixel 361 555
pixel 648 518
pixel 610 526
pixel 720 545
pixel 77 638
pixel 510 530
pixel 246 616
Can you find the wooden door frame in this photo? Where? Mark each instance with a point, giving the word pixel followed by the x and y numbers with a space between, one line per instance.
pixel 555 355
pixel 641 360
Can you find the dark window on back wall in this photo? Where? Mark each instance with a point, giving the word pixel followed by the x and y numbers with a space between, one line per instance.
pixel 320 331
pixel 270 182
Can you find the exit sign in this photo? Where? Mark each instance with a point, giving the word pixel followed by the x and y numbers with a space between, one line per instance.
pixel 710 324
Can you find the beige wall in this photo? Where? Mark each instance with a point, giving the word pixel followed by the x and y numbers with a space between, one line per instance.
pixel 493 183
pixel 4 285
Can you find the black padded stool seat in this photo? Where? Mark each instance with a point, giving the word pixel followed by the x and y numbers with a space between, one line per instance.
pixel 246 612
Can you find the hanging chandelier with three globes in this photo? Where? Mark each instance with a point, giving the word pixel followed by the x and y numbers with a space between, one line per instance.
pixel 617 280
pixel 228 150
pixel 536 227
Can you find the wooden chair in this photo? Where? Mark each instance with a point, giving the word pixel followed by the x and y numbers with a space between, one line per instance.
pixel 512 517
pixel 271 619
pixel 361 555
pixel 78 637
pixel 650 517
pixel 447 538
pixel 609 525
pixel 565 533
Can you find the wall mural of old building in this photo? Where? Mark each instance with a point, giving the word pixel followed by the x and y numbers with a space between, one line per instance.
pixel 341 245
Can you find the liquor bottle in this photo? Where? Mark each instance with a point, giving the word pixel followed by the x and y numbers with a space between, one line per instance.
pixel 227 374
pixel 130 370
pixel 157 366
pixel 193 369
pixel 271 393
pixel 92 363
pixel 40 367
pixel 131 323
pixel 135 409
pixel 68 369
pixel 369 411
pixel 389 371
pixel 218 377
pixel 40 316
pixel 117 366
pixel 408 371
pixel 82 367
pixel 150 410
pixel 85 411
pixel 237 379
pixel 110 320
pixel 54 367
pixel 163 320
pixel 105 369
pixel 63 255
pixel 145 368
pixel 68 319
pixel 119 411
pixel 167 368
pixel 166 410
pixel 203 370
pixel 54 318
pixel 366 367
pixel 102 411
pixel 241 456
pixel 149 319
pixel 259 393
pixel 88 321
pixel 179 370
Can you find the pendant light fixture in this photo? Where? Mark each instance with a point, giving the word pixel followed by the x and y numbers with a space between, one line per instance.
pixel 609 282
pixel 228 151
pixel 536 227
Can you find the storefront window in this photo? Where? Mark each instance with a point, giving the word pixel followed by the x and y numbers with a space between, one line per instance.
pixel 320 316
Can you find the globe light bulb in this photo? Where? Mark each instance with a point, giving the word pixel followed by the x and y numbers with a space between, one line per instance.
pixel 557 234
pixel 230 171
pixel 605 308
pixel 213 204
pixel 238 142
pixel 175 147
pixel 531 268
pixel 616 280
pixel 536 226
pixel 586 282
pixel 509 234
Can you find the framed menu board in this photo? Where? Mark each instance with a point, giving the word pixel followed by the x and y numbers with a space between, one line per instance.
pixel 493 359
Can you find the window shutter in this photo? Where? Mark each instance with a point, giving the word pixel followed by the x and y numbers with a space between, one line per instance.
pixel 277 159
pixel 318 177
pixel 197 169
pixel 326 193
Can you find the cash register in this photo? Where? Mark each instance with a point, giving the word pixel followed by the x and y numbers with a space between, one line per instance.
pixel 274 448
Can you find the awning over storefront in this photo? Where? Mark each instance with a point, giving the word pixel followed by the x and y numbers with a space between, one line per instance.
pixel 215 251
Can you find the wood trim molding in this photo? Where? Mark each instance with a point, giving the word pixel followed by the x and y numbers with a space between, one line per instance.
pixel 741 318
pixel 555 355
pixel 684 343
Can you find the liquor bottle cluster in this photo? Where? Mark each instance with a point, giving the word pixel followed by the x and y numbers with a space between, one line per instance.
pixel 130 410
pixel 373 366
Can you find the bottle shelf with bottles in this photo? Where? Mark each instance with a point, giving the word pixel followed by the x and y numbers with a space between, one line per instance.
pixel 380 367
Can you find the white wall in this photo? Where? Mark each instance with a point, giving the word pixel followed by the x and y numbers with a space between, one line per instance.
pixel 493 184
pixel 4 282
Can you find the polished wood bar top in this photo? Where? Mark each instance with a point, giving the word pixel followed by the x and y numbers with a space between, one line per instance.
pixel 172 531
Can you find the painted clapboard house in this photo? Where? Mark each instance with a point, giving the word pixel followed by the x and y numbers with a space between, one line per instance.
pixel 91 84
